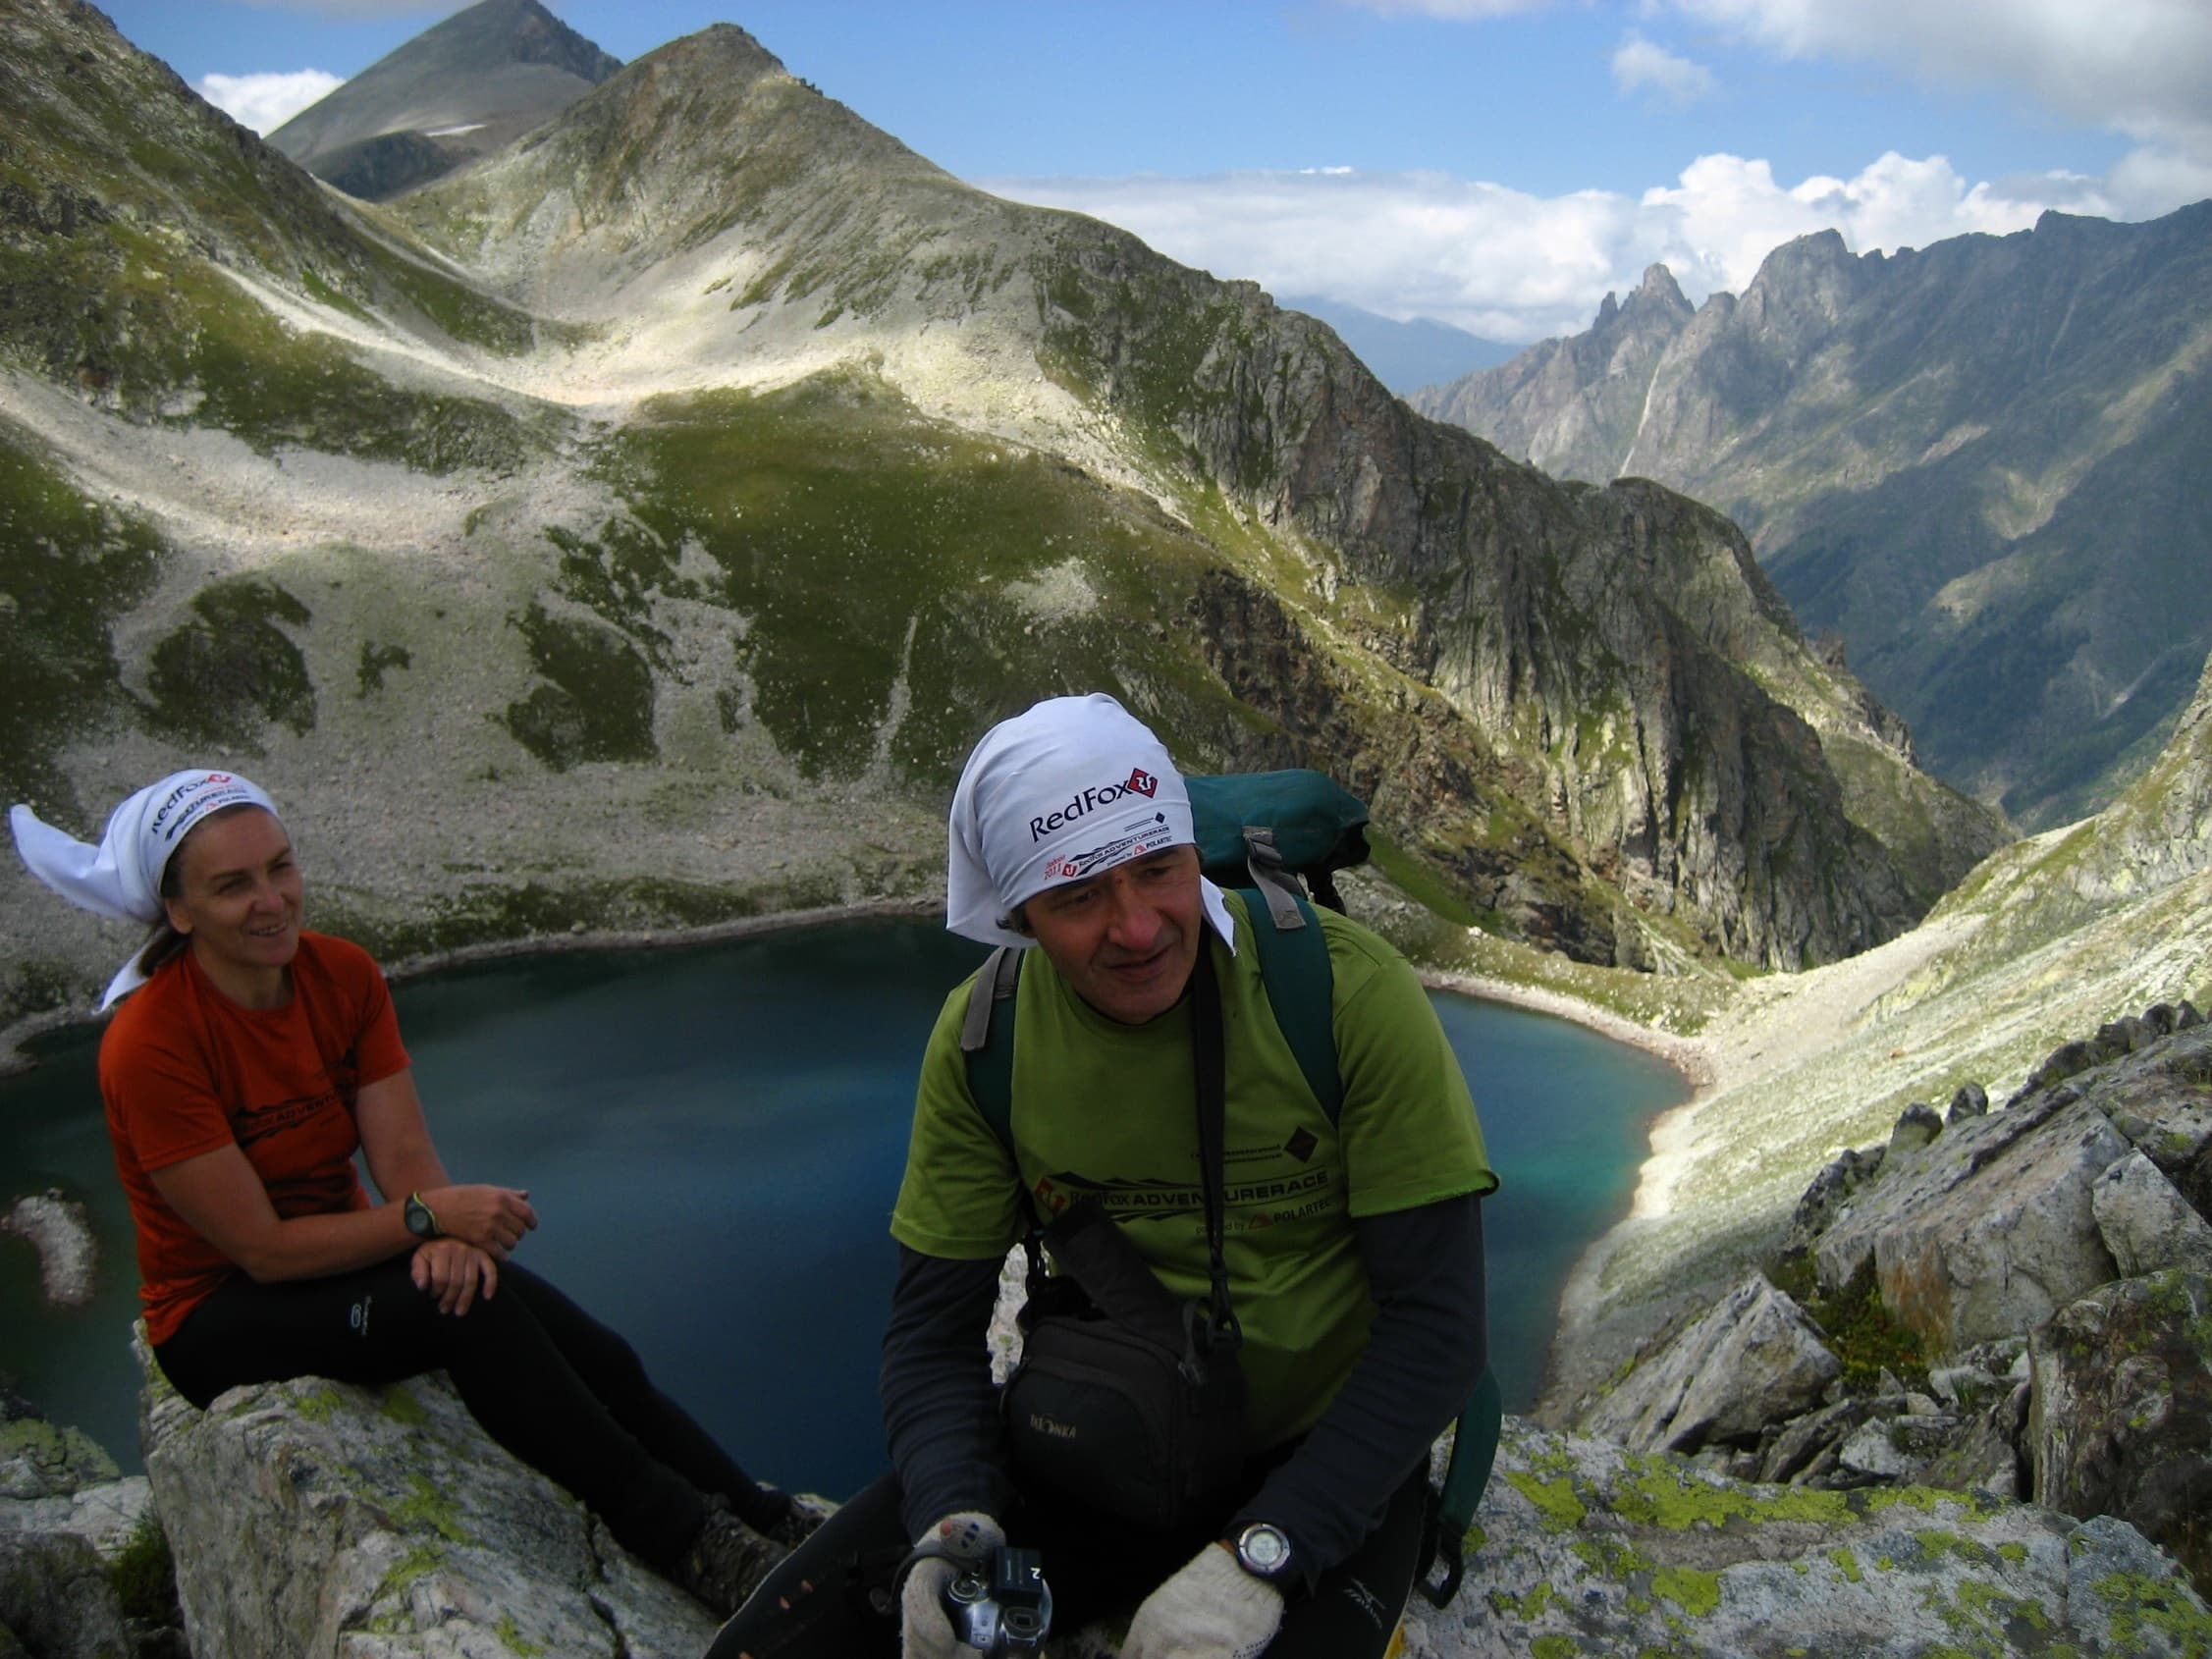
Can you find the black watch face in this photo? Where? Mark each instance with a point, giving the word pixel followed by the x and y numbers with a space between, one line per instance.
pixel 418 1218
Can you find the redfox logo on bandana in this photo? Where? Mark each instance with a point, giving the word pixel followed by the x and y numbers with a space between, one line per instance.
pixel 1087 801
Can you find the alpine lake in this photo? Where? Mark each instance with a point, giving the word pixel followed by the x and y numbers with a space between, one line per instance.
pixel 713 1136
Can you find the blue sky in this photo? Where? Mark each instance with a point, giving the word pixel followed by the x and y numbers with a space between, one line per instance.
pixel 1494 164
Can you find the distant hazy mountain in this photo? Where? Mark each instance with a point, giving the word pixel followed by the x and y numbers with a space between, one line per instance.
pixel 463 88
pixel 646 544
pixel 1405 356
pixel 1980 464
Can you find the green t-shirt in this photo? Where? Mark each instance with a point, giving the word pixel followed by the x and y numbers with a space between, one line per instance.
pixel 1106 1110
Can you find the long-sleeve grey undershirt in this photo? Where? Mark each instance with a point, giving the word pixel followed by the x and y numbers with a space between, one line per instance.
pixel 1426 1349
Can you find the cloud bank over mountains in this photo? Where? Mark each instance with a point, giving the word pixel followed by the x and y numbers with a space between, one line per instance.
pixel 1512 266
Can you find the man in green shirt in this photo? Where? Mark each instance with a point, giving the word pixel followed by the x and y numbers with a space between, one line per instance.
pixel 1353 1240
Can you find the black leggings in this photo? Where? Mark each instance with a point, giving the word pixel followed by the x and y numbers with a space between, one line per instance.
pixel 832 1600
pixel 549 1382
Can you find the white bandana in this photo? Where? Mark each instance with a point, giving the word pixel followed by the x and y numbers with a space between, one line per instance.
pixel 1076 785
pixel 120 877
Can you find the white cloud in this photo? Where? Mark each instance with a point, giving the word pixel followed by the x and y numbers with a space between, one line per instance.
pixel 1639 62
pixel 266 102
pixel 1519 267
pixel 2140 67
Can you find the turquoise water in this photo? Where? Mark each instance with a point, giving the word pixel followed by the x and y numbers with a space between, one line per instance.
pixel 713 1137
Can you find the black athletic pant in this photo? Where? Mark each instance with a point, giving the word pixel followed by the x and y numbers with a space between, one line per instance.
pixel 549 1382
pixel 832 1600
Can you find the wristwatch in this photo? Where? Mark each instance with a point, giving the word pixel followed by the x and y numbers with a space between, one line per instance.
pixel 422 1221
pixel 1263 1551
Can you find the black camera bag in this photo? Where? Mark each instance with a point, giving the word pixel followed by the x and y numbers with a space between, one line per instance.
pixel 1127 1399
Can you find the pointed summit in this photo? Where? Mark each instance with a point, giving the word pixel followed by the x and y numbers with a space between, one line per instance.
pixel 1658 288
pixel 469 85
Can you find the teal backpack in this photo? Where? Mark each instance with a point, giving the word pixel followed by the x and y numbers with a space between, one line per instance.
pixel 1260 833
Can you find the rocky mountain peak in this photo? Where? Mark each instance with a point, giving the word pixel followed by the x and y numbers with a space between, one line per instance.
pixel 458 90
pixel 1658 288
pixel 1804 287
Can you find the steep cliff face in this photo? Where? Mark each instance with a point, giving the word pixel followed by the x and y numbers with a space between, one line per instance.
pixel 1974 462
pixel 1619 646
pixel 729 467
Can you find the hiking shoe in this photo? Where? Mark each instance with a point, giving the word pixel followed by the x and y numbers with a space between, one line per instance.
pixel 726 1561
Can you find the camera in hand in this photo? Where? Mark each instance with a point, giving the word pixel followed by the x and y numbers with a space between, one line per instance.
pixel 1007 1609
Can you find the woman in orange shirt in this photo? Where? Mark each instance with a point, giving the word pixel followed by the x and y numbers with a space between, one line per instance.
pixel 248 1061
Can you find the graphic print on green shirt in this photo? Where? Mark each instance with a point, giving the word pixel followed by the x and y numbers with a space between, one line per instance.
pixel 1105 1109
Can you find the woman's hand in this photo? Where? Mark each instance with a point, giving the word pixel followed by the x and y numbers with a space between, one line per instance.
pixel 454 1272
pixel 492 1218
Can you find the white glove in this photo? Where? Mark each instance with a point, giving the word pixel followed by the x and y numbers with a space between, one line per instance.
pixel 1212 1609
pixel 924 1631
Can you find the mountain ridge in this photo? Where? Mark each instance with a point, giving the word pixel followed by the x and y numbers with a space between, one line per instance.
pixel 1970 461
pixel 736 500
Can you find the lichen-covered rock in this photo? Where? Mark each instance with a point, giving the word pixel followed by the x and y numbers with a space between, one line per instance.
pixel 1753 1360
pixel 1986 1232
pixel 313 1519
pixel 1582 1547
pixel 2122 1415
pixel 39 1459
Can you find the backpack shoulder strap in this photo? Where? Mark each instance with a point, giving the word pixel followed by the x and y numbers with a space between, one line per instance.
pixel 987 1044
pixel 1474 1450
pixel 1294 967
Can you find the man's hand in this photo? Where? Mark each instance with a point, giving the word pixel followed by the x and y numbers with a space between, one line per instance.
pixel 1212 1609
pixel 925 1631
pixel 453 1271
pixel 492 1218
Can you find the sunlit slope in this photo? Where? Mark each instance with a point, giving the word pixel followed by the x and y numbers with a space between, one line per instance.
pixel 2046 942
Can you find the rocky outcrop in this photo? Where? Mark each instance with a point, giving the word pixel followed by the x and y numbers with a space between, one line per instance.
pixel 66 1519
pixel 56 1600
pixel 2123 1409
pixel 317 1518
pixel 1986 1232
pixel 2016 1301
pixel 321 1520
pixel 1754 1361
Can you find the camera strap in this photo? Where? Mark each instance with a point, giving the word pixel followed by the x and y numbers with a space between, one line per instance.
pixel 1209 1069
pixel 1091 1249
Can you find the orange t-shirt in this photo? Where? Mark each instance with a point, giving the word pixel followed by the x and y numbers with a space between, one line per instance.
pixel 185 1071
